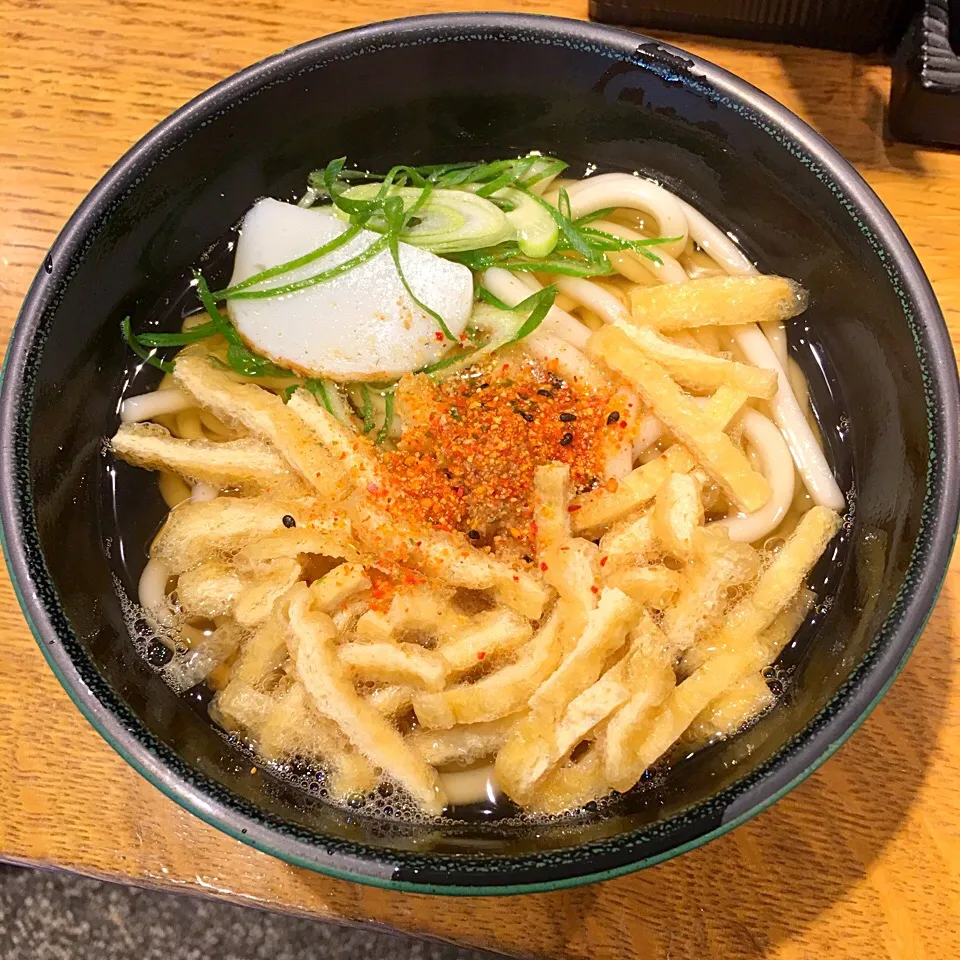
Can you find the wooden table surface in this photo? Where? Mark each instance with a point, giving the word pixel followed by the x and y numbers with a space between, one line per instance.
pixel 861 861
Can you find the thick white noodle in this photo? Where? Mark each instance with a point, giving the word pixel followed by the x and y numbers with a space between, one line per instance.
pixel 807 455
pixel 527 279
pixel 152 593
pixel 203 492
pixel 571 363
pixel 150 405
pixel 716 243
pixel 511 290
pixel 731 258
pixel 809 458
pixel 470 786
pixel 604 304
pixel 650 431
pixel 776 332
pixel 188 669
pixel 668 270
pixel 624 190
pixel 620 462
pixel 777 466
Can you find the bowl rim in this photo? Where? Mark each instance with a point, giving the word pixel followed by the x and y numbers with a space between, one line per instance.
pixel 597 860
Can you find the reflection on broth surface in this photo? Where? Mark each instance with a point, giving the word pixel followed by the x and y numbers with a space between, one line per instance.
pixel 490 492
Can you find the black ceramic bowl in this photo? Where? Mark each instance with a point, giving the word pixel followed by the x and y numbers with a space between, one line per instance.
pixel 447 88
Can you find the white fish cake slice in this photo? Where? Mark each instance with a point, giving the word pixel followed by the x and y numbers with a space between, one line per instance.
pixel 360 325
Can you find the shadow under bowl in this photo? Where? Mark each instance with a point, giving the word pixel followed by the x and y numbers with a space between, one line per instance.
pixel 446 88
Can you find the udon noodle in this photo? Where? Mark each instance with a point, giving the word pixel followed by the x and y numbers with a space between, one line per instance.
pixel 487 483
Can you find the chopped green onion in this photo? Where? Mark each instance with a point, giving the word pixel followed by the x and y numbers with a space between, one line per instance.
pixel 601 240
pixel 540 304
pixel 378 246
pixel 250 364
pixel 147 357
pixel 445 221
pixel 505 329
pixel 571 233
pixel 309 198
pixel 551 169
pixel 193 335
pixel 367 411
pixel 487 297
pixel 396 218
pixel 508 257
pixel 596 215
pixel 449 361
pixel 229 293
pixel 388 404
pixel 510 176
pixel 239 356
pixel 319 389
pixel 223 325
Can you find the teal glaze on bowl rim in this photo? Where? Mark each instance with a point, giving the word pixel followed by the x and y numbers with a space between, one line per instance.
pixel 463 873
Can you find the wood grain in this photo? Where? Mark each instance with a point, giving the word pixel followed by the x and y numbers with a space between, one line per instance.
pixel 862 860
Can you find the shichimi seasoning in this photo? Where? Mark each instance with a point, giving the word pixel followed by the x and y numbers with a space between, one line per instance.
pixel 472 443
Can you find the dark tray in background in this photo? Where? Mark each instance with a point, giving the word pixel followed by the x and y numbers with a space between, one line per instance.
pixel 860 26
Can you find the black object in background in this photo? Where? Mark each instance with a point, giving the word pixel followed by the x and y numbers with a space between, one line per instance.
pixel 925 84
pixel 860 26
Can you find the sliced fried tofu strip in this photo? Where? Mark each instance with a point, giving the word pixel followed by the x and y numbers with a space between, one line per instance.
pixel 248 465
pixel 463 744
pixel 604 634
pixel 678 515
pixel 262 655
pixel 327 536
pixel 295 729
pixel 195 531
pixel 702 600
pixel 653 586
pixel 774 590
pixel 448 558
pixel 265 416
pixel 526 760
pixel 596 510
pixel 354 452
pixel 395 663
pixel 726 463
pixel 390 700
pixel 539 741
pixel 239 706
pixel 631 539
pixel 491 634
pixel 551 497
pixel 731 711
pixel 573 784
pixel 255 602
pixel 335 588
pixel 334 697
pixel 500 693
pixel 696 370
pixel 651 686
pixel 209 590
pixel 717 301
